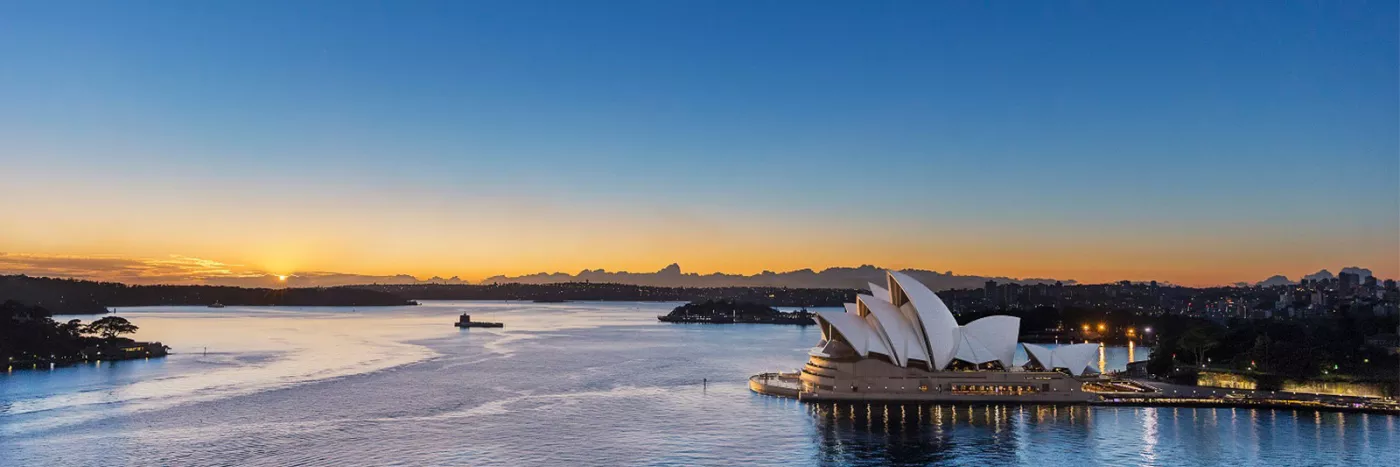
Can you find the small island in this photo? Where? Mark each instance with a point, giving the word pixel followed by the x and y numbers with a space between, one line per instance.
pixel 30 338
pixel 729 311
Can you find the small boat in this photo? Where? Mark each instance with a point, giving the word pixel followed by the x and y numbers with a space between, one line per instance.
pixel 465 321
pixel 216 305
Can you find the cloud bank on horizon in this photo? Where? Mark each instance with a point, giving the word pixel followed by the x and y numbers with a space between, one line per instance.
pixel 177 269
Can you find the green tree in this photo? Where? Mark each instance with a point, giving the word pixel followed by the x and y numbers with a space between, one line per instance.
pixel 111 326
pixel 1200 339
pixel 1161 363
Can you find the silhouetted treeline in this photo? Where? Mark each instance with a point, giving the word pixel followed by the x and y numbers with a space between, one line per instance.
pixel 1318 347
pixel 770 296
pixel 69 296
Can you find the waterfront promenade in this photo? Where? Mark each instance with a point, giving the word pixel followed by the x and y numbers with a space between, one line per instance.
pixel 1167 394
pixel 1160 395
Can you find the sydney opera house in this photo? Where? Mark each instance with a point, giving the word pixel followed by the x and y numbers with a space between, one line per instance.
pixel 903 343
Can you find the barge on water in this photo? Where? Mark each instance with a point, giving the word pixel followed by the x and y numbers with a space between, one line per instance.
pixel 465 321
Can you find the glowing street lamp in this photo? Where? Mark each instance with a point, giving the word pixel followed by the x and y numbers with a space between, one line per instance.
pixel 1101 327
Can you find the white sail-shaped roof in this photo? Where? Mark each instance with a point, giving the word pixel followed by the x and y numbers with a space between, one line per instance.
pixel 851 308
pixel 940 329
pixel 1041 355
pixel 879 292
pixel 1076 358
pixel 851 328
pixel 897 330
pixel 997 334
pixel 971 350
pixel 906 321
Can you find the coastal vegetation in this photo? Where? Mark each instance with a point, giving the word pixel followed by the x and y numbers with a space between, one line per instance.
pixel 729 311
pixel 29 336
pixel 1270 351
pixel 72 297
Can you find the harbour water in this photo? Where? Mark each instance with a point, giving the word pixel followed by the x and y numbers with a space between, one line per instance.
pixel 572 384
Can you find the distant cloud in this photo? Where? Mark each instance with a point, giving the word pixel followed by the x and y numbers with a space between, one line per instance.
pixel 1275 280
pixel 1323 275
pixel 177 269
pixel 838 277
pixel 174 269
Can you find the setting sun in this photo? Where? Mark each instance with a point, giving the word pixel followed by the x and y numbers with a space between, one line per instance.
pixel 282 278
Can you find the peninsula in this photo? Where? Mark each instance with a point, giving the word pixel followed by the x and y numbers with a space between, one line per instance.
pixel 30 338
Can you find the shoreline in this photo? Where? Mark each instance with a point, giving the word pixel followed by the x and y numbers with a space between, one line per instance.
pixel 766 387
pixel 110 353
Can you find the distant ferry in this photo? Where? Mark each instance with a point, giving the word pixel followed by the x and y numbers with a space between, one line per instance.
pixel 216 305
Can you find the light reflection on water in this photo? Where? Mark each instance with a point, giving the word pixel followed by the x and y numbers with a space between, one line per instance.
pixel 569 384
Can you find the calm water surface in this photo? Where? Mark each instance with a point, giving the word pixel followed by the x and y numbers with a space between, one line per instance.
pixel 571 384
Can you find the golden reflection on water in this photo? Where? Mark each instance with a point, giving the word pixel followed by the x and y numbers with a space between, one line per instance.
pixel 1149 436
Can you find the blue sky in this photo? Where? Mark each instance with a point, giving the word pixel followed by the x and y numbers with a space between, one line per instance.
pixel 1267 127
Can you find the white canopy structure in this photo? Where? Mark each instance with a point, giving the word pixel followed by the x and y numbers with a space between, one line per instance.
pixel 879 292
pixel 1075 358
pixel 895 328
pixel 935 321
pixel 996 335
pixel 907 322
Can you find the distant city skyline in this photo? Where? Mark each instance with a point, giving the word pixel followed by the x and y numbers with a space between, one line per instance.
pixel 1198 143
pixel 176 269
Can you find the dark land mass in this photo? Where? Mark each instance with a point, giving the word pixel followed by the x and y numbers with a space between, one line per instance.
pixel 582 291
pixel 729 311
pixel 30 338
pixel 72 297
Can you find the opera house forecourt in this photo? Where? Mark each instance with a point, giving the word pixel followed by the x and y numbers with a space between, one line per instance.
pixel 902 343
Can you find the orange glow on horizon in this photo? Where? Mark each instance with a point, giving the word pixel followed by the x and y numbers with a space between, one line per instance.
pixel 515 237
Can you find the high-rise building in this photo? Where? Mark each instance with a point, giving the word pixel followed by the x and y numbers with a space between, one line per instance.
pixel 1347 282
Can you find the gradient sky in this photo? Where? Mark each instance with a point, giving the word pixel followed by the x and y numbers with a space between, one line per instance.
pixel 1198 143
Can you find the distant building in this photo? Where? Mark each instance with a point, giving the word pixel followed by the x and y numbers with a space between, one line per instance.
pixel 1387 341
pixel 1347 282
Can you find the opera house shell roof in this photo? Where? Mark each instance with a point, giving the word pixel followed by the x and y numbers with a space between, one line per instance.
pixel 907 324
